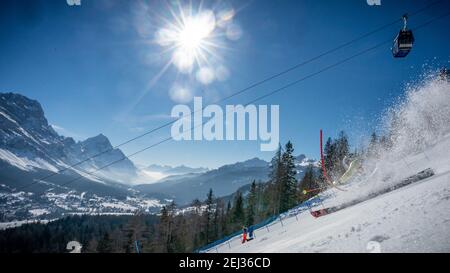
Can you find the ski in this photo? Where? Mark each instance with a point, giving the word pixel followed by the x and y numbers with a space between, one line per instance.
pixel 409 180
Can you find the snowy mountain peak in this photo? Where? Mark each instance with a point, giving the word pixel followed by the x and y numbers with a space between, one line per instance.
pixel 255 162
pixel 97 143
pixel 20 115
pixel 304 161
pixel 250 163
pixel 31 143
pixel 21 107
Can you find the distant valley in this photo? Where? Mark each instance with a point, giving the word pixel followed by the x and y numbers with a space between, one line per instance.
pixel 44 175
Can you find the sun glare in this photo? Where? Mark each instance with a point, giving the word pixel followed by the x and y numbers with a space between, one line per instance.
pixel 194 41
pixel 194 33
pixel 190 37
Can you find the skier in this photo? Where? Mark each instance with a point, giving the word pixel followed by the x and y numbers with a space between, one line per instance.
pixel 352 168
pixel 244 234
pixel 250 233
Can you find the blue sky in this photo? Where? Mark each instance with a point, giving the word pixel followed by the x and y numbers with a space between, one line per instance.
pixel 96 68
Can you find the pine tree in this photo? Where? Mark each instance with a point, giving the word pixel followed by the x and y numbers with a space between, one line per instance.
pixel 134 231
pixel 288 183
pixel 274 189
pixel 221 221
pixel 373 145
pixel 308 183
pixel 329 155
pixel 208 215
pixel 197 204
pixel 342 151
pixel 386 142
pixel 163 229
pixel 166 227
pixel 170 240
pixel 215 223
pixel 117 238
pixel 238 210
pixel 91 247
pixel 251 204
pixel 105 244
pixel 228 218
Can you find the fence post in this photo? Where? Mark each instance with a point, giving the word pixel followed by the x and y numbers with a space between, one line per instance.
pixel 267 227
pixel 281 222
pixel 229 246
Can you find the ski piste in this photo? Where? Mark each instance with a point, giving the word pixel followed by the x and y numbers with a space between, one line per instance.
pixel 409 180
pixel 324 170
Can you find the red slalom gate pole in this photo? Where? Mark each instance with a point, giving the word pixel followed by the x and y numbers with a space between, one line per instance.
pixel 324 170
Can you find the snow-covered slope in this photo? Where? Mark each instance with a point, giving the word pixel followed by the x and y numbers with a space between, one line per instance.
pixel 414 218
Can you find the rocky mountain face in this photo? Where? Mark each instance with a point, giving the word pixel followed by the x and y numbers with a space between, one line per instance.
pixel 26 137
pixel 31 152
pixel 24 130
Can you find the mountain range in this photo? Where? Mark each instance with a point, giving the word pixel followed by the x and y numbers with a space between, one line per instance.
pixel 40 169
pixel 28 142
pixel 224 180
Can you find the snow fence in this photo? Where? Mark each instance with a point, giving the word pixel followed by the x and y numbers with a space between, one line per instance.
pixel 266 223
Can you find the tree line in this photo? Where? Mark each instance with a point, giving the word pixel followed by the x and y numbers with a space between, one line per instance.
pixel 215 218
pixel 184 230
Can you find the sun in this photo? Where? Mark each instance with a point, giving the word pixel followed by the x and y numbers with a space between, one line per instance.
pixel 193 34
pixel 193 40
pixel 190 38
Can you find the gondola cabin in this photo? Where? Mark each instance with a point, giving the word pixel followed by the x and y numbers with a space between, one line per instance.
pixel 403 43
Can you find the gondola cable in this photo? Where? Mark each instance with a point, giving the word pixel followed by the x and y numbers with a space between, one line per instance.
pixel 263 96
pixel 233 95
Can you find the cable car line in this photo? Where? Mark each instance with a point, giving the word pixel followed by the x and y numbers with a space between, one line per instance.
pixel 237 93
pixel 360 53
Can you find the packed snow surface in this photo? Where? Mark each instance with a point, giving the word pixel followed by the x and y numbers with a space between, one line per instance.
pixel 414 218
